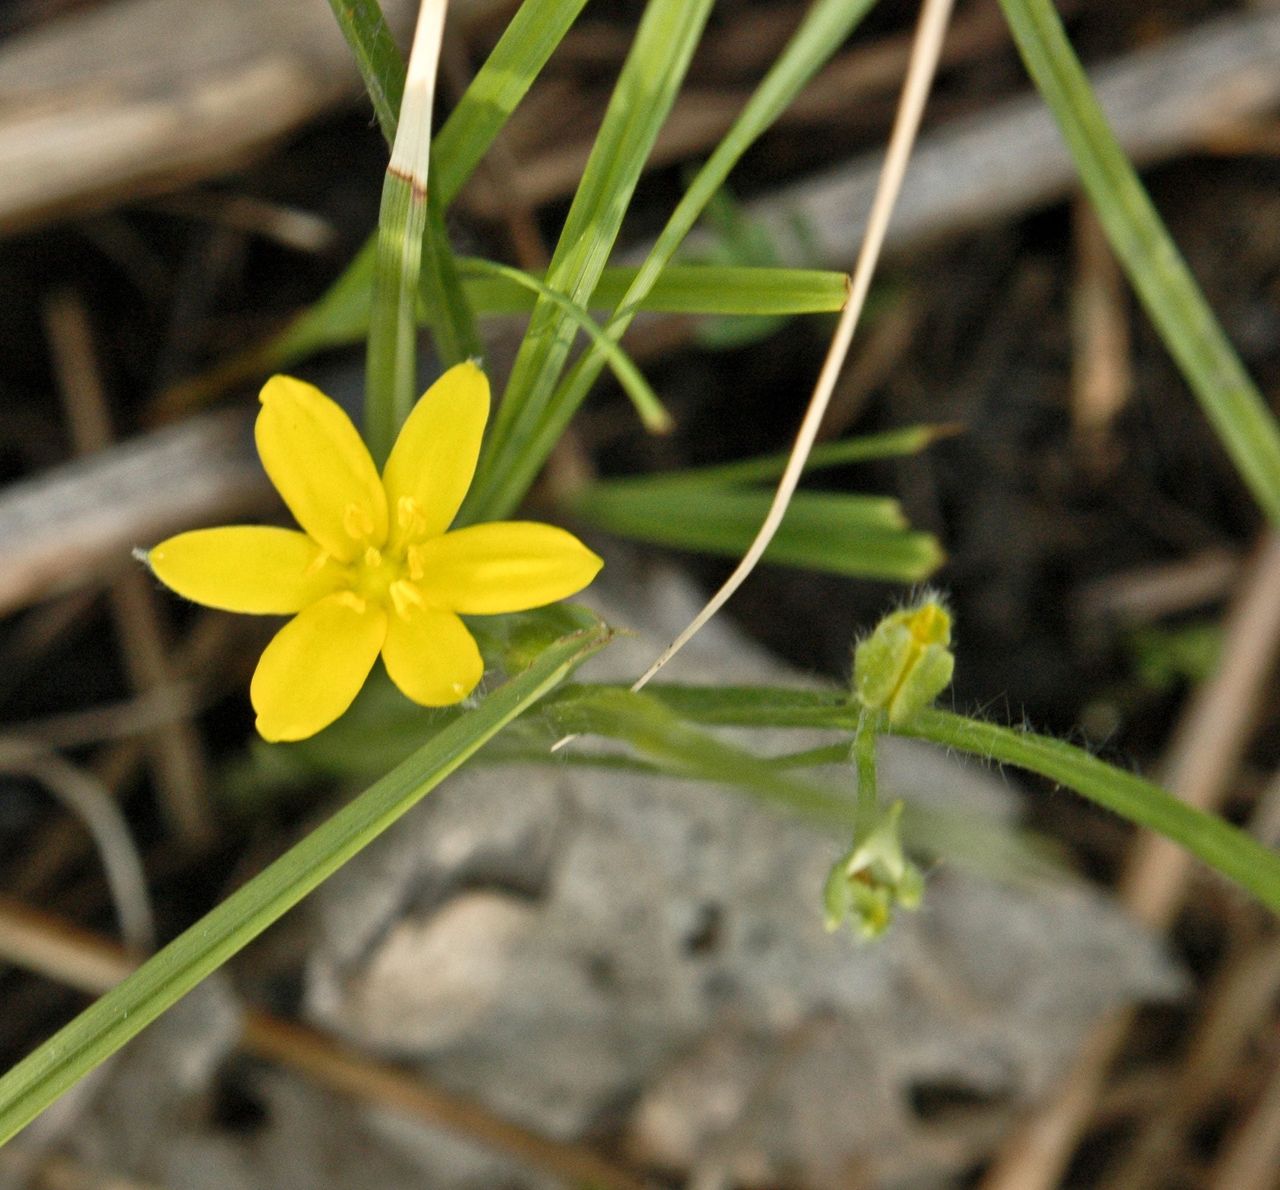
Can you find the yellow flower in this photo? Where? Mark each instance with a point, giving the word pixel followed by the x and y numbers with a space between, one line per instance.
pixel 374 570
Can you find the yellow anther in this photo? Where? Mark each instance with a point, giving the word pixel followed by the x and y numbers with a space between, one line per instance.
pixel 353 601
pixel 413 555
pixel 357 522
pixel 317 564
pixel 404 596
pixel 373 558
pixel 409 516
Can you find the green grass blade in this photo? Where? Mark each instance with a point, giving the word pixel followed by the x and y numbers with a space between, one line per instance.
pixel 641 100
pixel 683 289
pixel 863 536
pixel 891 444
pixel 499 85
pixel 1231 851
pixel 655 418
pixel 124 1011
pixel 341 315
pixel 445 305
pixel 1154 266
pixel 391 364
pixel 648 726
pixel 377 58
pixel 825 27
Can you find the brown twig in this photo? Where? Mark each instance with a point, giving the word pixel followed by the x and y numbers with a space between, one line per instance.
pixel 1202 759
pixel 1238 1002
pixel 1101 372
pixel 176 752
pixel 1251 1155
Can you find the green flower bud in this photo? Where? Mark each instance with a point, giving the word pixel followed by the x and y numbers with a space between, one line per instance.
pixel 872 879
pixel 905 663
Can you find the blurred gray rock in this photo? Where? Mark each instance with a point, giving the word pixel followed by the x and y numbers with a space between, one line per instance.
pixel 598 954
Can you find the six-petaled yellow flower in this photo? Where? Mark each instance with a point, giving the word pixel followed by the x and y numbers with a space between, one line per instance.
pixel 374 570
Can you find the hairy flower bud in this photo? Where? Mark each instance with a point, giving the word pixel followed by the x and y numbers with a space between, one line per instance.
pixel 905 663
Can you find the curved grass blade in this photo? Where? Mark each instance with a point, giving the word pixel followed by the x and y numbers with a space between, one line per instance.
pixel 1154 266
pixel 1225 848
pixel 383 71
pixel 652 413
pixel 863 536
pixel 642 97
pixel 891 444
pixel 128 1008
pixel 823 30
pixel 499 85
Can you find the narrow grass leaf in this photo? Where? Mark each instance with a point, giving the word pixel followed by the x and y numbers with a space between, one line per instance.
pixel 341 315
pixel 1154 266
pixel 444 304
pixel 105 1026
pixel 683 289
pixel 391 373
pixel 1230 851
pixel 864 536
pixel 821 33
pixel 655 418
pixel 377 58
pixel 498 87
pixel 1225 848
pixel 641 100
pixel 909 440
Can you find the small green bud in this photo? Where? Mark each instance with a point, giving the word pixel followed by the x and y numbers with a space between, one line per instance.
pixel 905 663
pixel 872 879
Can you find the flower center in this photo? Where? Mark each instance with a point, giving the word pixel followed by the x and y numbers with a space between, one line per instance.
pixel 385 577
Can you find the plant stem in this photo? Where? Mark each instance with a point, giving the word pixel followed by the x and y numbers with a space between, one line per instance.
pixel 1235 854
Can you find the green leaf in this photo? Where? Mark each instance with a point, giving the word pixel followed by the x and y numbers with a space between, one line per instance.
pixel 391 370
pixel 655 418
pixel 444 304
pixel 377 58
pixel 1237 855
pixel 821 33
pixel 1231 851
pixel 341 316
pixel 105 1026
pixel 891 444
pixel 1156 269
pixel 641 100
pixel 864 536
pixel 499 85
pixel 684 289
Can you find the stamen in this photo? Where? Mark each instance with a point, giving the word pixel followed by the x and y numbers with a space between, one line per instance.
pixel 373 558
pixel 413 555
pixel 404 596
pixel 357 522
pixel 409 516
pixel 353 601
pixel 317 564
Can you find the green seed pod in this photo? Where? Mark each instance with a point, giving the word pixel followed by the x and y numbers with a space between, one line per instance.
pixel 905 663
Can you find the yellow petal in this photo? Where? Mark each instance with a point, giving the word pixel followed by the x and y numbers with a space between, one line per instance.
pixel 505 566
pixel 320 467
pixel 245 568
pixel 315 665
pixel 431 656
pixel 433 460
